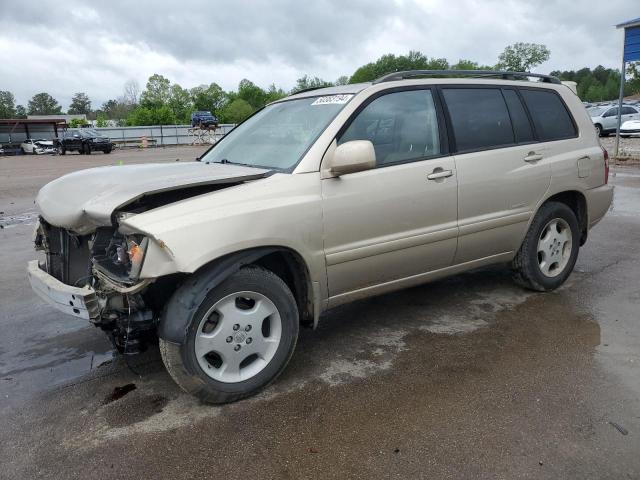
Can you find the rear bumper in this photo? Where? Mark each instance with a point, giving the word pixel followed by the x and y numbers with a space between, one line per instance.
pixel 74 301
pixel 599 200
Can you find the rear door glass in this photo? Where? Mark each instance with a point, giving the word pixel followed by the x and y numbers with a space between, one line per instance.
pixel 479 118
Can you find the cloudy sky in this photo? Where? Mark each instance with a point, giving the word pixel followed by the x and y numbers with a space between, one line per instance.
pixel 63 47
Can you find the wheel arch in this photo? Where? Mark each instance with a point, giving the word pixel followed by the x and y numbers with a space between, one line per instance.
pixel 577 202
pixel 282 261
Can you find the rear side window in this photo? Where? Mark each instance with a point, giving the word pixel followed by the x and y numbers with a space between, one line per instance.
pixel 550 117
pixel 479 118
pixel 402 126
pixel 521 126
pixel 628 111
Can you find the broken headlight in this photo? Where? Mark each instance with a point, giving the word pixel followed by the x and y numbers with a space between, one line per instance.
pixel 121 256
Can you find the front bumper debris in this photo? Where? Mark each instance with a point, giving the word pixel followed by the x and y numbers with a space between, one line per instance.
pixel 75 301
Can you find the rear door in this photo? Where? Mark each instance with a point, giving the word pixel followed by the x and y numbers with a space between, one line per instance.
pixel 502 171
pixel 629 113
pixel 396 221
pixel 610 119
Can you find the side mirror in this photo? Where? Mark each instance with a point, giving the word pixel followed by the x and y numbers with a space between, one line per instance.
pixel 351 157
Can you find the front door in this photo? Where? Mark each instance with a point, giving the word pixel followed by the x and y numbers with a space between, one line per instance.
pixel 396 221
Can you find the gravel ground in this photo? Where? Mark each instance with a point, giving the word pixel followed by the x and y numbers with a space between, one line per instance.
pixel 629 147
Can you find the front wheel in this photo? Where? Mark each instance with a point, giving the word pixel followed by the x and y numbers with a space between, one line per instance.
pixel 87 149
pixel 599 130
pixel 550 249
pixel 61 150
pixel 241 335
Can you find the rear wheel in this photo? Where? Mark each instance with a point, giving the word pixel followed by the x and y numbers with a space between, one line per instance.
pixel 87 149
pixel 241 335
pixel 550 249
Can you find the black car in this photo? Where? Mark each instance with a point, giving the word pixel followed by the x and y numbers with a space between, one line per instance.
pixel 83 140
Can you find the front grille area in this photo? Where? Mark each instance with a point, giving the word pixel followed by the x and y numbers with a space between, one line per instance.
pixel 68 257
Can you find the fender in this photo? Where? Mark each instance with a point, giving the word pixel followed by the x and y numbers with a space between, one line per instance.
pixel 174 321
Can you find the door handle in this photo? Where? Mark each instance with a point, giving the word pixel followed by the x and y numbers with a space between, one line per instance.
pixel 439 173
pixel 533 157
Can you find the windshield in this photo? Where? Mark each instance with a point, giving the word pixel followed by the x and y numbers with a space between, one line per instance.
pixel 278 135
pixel 87 133
pixel 596 111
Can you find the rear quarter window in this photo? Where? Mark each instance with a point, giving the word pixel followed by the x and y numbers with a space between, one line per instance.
pixel 550 116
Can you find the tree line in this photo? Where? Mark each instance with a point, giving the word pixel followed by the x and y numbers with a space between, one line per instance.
pixel 164 103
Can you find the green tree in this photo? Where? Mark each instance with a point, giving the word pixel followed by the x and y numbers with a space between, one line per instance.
pixel 7 104
pixel 180 103
pixel 208 97
pixel 44 104
pixel 306 82
pixel 21 112
pixel 157 93
pixel 274 93
pixel 101 120
pixel 116 109
pixel 77 122
pixel 151 116
pixel 80 103
pixel 389 63
pixel 342 80
pixel 469 65
pixel 522 57
pixel 252 94
pixel 236 111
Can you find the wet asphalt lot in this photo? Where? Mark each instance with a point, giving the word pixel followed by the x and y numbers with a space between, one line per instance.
pixel 469 377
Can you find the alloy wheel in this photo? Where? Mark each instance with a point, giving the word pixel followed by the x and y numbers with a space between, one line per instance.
pixel 238 336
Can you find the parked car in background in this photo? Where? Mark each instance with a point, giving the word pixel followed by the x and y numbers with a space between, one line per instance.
pixel 203 119
pixel 605 118
pixel 37 147
pixel 83 140
pixel 630 128
pixel 1 150
pixel 322 198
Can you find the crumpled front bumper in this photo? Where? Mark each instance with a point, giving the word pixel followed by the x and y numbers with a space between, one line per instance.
pixel 75 301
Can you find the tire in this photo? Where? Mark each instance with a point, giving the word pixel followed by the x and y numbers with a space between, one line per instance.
pixel 87 149
pixel 545 260
pixel 61 150
pixel 22 151
pixel 107 150
pixel 209 376
pixel 599 131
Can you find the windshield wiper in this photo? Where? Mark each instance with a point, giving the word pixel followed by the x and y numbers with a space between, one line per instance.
pixel 229 162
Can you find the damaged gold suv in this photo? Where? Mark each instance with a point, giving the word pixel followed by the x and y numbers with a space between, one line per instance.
pixel 321 198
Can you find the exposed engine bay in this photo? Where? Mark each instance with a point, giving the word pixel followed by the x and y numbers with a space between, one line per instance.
pixel 109 263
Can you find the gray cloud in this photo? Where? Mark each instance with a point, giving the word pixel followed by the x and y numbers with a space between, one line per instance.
pixel 64 47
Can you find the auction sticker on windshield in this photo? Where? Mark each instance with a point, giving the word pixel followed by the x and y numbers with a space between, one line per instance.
pixel 332 99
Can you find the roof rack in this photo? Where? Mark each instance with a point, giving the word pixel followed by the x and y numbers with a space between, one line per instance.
pixel 469 73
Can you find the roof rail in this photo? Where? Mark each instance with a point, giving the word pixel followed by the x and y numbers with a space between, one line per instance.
pixel 390 77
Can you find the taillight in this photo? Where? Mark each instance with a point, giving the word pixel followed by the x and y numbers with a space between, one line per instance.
pixel 606 164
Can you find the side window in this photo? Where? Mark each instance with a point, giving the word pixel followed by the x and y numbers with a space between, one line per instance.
pixel 550 117
pixel 479 117
pixel 628 111
pixel 402 126
pixel 519 118
pixel 611 112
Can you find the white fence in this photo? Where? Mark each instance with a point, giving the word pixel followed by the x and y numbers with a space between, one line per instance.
pixel 164 135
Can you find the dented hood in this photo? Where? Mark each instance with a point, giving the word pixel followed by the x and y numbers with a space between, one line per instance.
pixel 86 199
